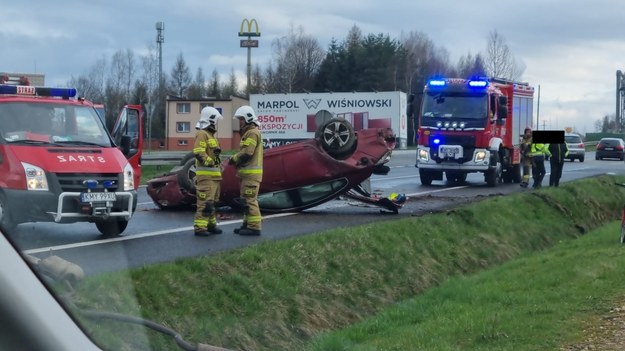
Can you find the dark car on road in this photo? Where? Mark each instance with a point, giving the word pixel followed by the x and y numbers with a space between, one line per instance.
pixel 296 176
pixel 610 148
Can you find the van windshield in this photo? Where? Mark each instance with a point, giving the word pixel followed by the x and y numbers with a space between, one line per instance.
pixel 52 123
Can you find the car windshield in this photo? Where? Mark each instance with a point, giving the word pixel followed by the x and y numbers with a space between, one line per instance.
pixel 50 122
pixel 312 175
pixel 573 139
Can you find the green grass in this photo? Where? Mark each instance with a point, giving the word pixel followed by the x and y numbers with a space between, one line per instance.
pixel 476 277
pixel 150 171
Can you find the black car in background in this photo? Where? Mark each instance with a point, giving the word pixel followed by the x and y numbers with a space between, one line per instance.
pixel 610 148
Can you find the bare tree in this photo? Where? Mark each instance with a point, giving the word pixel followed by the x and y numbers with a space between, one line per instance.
pixel 214 84
pixel 298 57
pixel 470 66
pixel 500 61
pixel 91 85
pixel 180 76
pixel 231 88
pixel 197 89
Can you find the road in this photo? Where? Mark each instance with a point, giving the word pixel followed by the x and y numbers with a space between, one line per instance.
pixel 155 236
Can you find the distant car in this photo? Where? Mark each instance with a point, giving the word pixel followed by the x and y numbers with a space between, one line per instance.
pixel 296 176
pixel 575 144
pixel 610 148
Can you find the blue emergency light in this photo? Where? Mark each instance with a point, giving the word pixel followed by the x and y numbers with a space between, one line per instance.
pixel 108 184
pixel 37 91
pixel 478 83
pixel 436 141
pixel 437 82
pixel 90 183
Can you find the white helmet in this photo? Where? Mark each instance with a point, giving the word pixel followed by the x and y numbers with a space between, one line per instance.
pixel 208 117
pixel 248 114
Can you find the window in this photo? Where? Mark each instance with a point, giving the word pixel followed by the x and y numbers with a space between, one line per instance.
pixel 183 142
pixel 183 107
pixel 205 104
pixel 183 127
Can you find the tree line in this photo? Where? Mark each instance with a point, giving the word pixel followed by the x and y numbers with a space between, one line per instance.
pixel 359 62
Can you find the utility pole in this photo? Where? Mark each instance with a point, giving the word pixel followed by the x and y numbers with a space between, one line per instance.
pixel 249 43
pixel 538 108
pixel 160 39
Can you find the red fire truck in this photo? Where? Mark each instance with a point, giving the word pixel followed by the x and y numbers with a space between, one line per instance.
pixel 472 125
pixel 58 162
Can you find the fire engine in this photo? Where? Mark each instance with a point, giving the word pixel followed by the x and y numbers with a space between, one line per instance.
pixel 472 125
pixel 59 163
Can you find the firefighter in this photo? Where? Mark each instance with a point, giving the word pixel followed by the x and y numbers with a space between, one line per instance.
pixel 249 164
pixel 526 144
pixel 537 154
pixel 208 172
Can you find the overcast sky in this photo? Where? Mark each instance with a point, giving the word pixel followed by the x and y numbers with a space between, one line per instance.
pixel 570 48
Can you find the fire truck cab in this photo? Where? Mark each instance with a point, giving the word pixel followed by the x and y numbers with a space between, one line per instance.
pixel 58 162
pixel 472 125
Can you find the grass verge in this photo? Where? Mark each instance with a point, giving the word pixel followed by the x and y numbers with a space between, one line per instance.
pixel 282 295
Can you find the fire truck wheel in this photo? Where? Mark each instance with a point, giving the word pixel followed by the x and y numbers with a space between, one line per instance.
pixel 186 176
pixel 111 227
pixel 426 178
pixel 6 223
pixel 493 175
pixel 337 137
pixel 517 174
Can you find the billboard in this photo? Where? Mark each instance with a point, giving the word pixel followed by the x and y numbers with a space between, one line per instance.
pixel 289 117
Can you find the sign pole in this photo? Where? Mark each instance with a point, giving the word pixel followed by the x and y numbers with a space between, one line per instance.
pixel 249 44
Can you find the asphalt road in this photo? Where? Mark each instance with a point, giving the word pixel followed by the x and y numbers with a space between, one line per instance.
pixel 155 236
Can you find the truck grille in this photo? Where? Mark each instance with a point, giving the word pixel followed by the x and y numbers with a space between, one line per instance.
pixel 73 182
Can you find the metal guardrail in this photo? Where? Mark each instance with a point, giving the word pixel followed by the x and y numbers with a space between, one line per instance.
pixel 162 157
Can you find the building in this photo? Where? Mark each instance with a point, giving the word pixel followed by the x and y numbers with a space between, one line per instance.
pixel 183 114
pixel 34 79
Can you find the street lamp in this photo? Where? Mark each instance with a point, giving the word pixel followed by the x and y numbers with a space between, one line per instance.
pixel 249 43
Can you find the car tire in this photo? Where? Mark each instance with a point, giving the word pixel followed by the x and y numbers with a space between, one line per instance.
pixel 581 159
pixel 186 158
pixel 111 227
pixel 337 137
pixel 186 176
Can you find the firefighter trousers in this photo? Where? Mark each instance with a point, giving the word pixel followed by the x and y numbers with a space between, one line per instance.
pixel 527 166
pixel 207 192
pixel 249 191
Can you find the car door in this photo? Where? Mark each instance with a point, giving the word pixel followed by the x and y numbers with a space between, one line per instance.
pixel 128 135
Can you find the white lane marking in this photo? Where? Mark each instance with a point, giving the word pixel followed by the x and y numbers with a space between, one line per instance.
pixel 137 236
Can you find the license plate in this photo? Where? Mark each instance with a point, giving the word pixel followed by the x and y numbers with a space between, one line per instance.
pixel 97 197
pixel 609 148
pixel 450 151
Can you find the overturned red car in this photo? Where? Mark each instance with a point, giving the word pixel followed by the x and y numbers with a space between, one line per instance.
pixel 296 176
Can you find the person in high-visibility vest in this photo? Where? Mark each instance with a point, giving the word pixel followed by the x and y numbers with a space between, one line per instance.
pixel 207 173
pixel 537 155
pixel 249 164
pixel 558 153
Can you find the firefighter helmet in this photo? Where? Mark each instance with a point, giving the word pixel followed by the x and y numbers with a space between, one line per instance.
pixel 247 113
pixel 208 117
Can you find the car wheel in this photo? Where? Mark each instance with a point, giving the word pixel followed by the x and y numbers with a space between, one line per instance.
pixel 111 227
pixel 186 176
pixel 337 137
pixel 581 159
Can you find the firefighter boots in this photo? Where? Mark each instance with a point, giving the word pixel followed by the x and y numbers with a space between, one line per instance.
pixel 248 231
